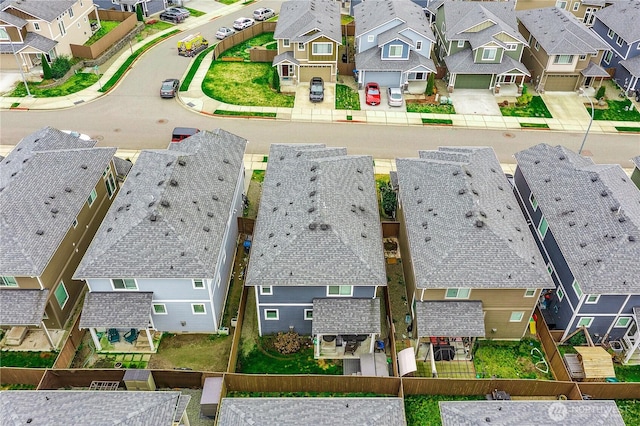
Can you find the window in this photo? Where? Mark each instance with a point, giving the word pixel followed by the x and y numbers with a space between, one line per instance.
pixel 266 290
pixel 585 321
pixel 286 42
pixel 198 283
pixel 537 45
pixel 560 294
pixel 322 48
pixel 36 26
pixel 516 316
pixel 576 6
pixel 124 284
pixel 75 223
pixel 107 170
pixel 562 4
pixel 418 45
pixel 592 298
pixel 582 57
pixel 300 46
pixel 610 33
pixel 607 57
pixel 512 46
pixel 340 290
pixel 308 314
pixel 457 293
pixel 622 322
pixel 395 51
pixel 460 43
pixel 61 295
pixel 160 309
pixel 70 12
pixel 92 197
pixel 489 54
pixel 8 282
pixel 371 38
pixel 533 201
pixel 110 183
pixel 530 292
pixel 550 269
pixel 563 59
pixel 198 309
pixel 417 76
pixel 576 288
pixel 543 227
pixel 271 314
pixel 619 41
pixel 61 27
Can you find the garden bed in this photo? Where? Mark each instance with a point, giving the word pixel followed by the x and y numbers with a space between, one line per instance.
pixel 428 105
pixel 347 98
pixel 615 111
pixel 535 108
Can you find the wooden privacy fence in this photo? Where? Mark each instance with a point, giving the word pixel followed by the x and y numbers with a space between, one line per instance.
pixel 610 390
pixel 70 347
pixel 246 225
pixel 21 376
pixel 237 331
pixel 242 36
pixel 554 358
pixel 82 378
pixel 128 22
pixel 390 229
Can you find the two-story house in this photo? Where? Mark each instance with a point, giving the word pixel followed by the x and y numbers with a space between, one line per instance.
pixel 563 54
pixel 163 255
pixel 635 175
pixel 479 43
pixel 586 218
pixel 394 43
pixel 618 26
pixel 35 27
pixel 308 33
pixel 317 259
pixel 55 188
pixel 471 266
pixel 584 10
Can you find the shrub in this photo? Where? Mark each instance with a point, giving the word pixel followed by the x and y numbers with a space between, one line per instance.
pixel 275 81
pixel 287 343
pixel 600 92
pixel 431 84
pixel 525 98
pixel 388 199
pixel 60 66
pixel 46 68
pixel 139 13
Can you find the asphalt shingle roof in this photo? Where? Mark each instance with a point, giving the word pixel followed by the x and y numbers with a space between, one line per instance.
pixel 633 65
pixel 594 70
pixel 462 318
pixel 622 17
pixel 464 225
pixel 370 60
pixel 346 316
pixel 22 306
pixel 116 309
pixel 560 33
pixel 304 20
pixel 462 63
pixel 43 9
pixel 636 161
pixel 299 411
pixel 285 57
pixel 97 408
pixel 593 212
pixel 410 17
pixel 171 211
pixel 541 413
pixel 44 184
pixel 12 19
pixel 318 222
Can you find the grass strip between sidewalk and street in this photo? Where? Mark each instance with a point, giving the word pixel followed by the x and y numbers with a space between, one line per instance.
pixel 194 68
pixel 438 121
pixel 534 125
pixel 245 113
pixel 628 129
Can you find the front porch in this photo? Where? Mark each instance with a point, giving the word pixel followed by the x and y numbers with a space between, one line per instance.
pixel 32 339
pixel 22 310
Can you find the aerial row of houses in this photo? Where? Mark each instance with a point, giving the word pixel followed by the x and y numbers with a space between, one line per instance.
pixel 156 249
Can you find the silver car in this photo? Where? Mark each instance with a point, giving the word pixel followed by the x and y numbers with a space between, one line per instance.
pixel 394 96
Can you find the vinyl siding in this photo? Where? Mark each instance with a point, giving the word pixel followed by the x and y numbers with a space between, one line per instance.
pixel 387 47
pixel 182 311
pixel 363 40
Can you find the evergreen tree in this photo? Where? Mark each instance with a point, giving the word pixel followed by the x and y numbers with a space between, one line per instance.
pixel 46 69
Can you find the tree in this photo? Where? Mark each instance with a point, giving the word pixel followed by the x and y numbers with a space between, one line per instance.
pixel 431 84
pixel 46 68
pixel 600 92
pixel 275 80
pixel 389 200
pixel 60 66
pixel 525 98
pixel 139 12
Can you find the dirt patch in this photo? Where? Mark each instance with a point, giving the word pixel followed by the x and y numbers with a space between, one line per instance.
pixel 201 352
pixel 397 298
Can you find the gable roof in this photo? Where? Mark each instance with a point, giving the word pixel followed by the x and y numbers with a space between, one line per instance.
pixel 44 184
pixel 172 209
pixel 633 65
pixel 463 222
pixel 622 17
pixel 12 19
pixel 593 212
pixel 372 14
pixel 560 33
pixel 47 10
pixel 462 62
pixel 451 318
pixel 318 221
pixel 22 306
pixel 339 315
pixel 636 161
pixel 304 20
pixel 370 60
pixel 62 407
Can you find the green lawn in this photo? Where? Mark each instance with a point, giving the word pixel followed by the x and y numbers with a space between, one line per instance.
pixel 423 410
pixel 194 68
pixel 504 359
pixel 241 83
pixel 199 352
pixel 534 125
pixel 536 108
pixel 227 2
pixel 443 121
pixel 616 112
pixel 630 373
pixel 430 108
pixel 105 27
pixel 628 129
pixel 75 84
pixel 195 13
pixel 242 50
pixel 27 359
pixel 245 113
pixel 630 410
pixel 347 98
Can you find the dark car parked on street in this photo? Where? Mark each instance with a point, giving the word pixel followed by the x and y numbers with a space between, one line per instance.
pixel 316 89
pixel 174 17
pixel 169 88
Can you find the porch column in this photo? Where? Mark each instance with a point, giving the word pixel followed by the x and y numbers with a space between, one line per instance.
pixel 46 332
pixel 316 345
pixel 373 342
pixel 153 348
pixel 96 341
pixel 633 349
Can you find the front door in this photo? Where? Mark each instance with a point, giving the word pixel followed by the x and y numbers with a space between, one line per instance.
pixel 587 81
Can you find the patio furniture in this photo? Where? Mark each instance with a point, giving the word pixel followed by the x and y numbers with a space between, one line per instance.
pixel 131 335
pixel 350 347
pixel 113 335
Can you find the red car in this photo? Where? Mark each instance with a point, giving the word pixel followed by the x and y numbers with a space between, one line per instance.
pixel 372 93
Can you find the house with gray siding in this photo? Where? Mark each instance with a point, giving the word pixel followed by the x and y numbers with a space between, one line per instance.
pixel 479 44
pixel 617 24
pixel 394 43
pixel 317 259
pixel 163 255
pixel 586 219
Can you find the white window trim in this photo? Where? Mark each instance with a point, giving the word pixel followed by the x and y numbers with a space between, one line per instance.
pixel 461 43
pixel 533 201
pixel 266 317
pixel 560 293
pixel 586 300
pixel 313 48
pixel 527 291
pixel 193 282
pixel 556 59
pixel 113 285
pixel 457 296
pixel 578 291
pixel 394 46
pixel 537 45
pixel 576 6
pixel 92 197
pixel 512 46
pixel 75 223
pixel 301 48
pixel 611 33
pixel 371 38
pixel 619 41
pixel 164 306
pixel 305 314
pixel 286 42
pixel 193 311
pixel 61 284
pixel 521 313
pixel 610 56
pixel 5 284
pixel 616 325
pixel 36 26
pixel 264 291
pixel 582 57
pixel 586 325
pixel 490 49
pixel 419 45
pixel 543 220
pixel 340 295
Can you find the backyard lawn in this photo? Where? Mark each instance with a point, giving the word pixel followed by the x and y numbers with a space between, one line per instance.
pixel 242 50
pixel 347 98
pixel 535 108
pixel 630 410
pixel 615 112
pixel 503 359
pixel 105 27
pixel 196 351
pixel 27 359
pixel 423 410
pixel 627 373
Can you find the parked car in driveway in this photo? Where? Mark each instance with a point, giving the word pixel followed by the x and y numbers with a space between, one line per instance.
pixel 372 93
pixel 180 133
pixel 263 14
pixel 174 17
pixel 169 88
pixel 242 23
pixel 394 96
pixel 316 89
pixel 224 32
pixel 179 10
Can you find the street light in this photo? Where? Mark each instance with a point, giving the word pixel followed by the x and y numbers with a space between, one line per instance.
pixel 590 121
pixel 3 34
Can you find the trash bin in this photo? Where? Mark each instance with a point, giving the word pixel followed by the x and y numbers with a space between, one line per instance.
pixel 616 346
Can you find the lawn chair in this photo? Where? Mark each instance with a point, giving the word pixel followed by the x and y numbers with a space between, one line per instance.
pixel 113 335
pixel 131 335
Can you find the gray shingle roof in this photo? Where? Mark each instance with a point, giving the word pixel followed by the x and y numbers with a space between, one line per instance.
pixel 285 57
pixel 22 306
pixel 116 309
pixel 560 33
pixel 450 318
pixel 318 221
pixel 372 14
pixel 464 225
pixel 12 19
pixel 542 413
pixel 172 211
pixel 43 9
pixel 300 411
pixel 633 65
pixel 37 41
pixel 594 70
pixel 97 408
pixel 44 182
pixel 304 20
pixel 370 60
pixel 622 17
pixel 593 212
pixel 636 161
pixel 346 316
pixel 462 63
pixel 122 166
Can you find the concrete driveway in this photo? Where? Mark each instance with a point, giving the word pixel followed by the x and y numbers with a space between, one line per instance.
pixel 566 105
pixel 475 102
pixel 302 97
pixel 384 102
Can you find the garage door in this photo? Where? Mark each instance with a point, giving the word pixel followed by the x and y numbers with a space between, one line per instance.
pixel 384 79
pixel 308 72
pixel 561 83
pixel 472 81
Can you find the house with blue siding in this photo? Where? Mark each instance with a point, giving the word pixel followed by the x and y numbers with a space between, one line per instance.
pixel 635 175
pixel 317 259
pixel 163 255
pixel 394 43
pixel 617 24
pixel 586 220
